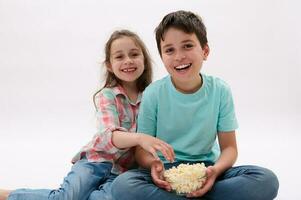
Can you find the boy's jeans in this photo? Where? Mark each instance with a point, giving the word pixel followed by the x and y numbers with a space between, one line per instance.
pixel 84 178
pixel 237 183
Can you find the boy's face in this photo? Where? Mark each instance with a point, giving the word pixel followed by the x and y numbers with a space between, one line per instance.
pixel 183 56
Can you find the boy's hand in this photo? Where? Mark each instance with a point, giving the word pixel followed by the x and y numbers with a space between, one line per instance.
pixel 152 145
pixel 211 177
pixel 157 170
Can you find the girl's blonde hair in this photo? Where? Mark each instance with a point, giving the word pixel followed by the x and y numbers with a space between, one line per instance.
pixel 111 80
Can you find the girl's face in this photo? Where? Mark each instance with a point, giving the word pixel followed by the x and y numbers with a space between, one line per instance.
pixel 183 56
pixel 126 60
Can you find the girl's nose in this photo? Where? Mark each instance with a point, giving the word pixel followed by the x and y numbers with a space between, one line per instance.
pixel 128 60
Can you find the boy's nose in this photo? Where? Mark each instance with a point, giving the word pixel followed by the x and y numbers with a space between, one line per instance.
pixel 180 56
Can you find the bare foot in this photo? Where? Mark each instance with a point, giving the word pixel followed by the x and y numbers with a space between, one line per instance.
pixel 4 194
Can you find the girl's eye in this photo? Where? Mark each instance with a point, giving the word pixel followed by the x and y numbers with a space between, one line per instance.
pixel 118 57
pixel 135 54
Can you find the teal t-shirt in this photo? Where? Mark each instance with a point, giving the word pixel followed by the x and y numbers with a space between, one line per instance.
pixel 188 122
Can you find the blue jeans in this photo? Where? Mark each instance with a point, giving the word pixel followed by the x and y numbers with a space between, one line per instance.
pixel 104 190
pixel 237 183
pixel 84 178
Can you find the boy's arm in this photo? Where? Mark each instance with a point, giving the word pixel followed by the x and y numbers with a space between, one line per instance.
pixel 147 161
pixel 147 124
pixel 228 156
pixel 227 124
pixel 143 158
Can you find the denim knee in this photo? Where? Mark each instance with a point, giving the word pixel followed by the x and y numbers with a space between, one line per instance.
pixel 121 184
pixel 271 180
pixel 126 184
pixel 267 184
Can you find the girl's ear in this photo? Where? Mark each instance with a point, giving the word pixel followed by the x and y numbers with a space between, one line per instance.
pixel 109 67
pixel 206 51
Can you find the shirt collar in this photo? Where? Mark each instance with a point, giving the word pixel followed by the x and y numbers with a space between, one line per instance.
pixel 119 90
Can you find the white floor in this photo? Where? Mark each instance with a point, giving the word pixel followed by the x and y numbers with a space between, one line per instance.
pixel 50 55
pixel 43 161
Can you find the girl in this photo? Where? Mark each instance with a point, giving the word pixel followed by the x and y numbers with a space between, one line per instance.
pixel 109 153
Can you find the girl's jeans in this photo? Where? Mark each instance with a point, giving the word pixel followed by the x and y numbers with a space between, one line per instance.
pixel 237 183
pixel 85 177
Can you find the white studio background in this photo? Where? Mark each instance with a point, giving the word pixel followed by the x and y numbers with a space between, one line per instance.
pixel 50 55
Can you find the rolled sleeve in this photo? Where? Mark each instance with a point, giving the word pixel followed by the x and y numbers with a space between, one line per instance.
pixel 107 122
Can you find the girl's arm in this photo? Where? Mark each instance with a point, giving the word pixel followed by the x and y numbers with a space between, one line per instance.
pixel 150 144
pixel 113 136
pixel 228 156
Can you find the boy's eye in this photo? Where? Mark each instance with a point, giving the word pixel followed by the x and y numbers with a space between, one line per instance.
pixel 169 50
pixel 188 46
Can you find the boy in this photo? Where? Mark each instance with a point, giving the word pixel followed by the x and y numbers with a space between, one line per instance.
pixel 189 110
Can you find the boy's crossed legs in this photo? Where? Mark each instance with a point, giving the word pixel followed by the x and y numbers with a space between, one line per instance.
pixel 237 183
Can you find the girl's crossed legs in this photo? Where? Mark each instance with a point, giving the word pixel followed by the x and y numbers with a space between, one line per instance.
pixel 84 178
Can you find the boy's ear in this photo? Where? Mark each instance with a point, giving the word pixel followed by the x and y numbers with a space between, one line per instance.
pixel 206 51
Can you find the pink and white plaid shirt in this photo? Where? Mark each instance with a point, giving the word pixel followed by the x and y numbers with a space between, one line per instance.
pixel 114 112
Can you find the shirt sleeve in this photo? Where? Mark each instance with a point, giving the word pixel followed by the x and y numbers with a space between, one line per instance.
pixel 227 119
pixel 147 117
pixel 107 122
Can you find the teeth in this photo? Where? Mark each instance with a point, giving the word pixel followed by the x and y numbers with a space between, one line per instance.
pixel 128 70
pixel 182 66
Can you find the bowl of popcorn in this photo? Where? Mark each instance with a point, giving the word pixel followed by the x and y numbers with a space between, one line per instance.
pixel 186 178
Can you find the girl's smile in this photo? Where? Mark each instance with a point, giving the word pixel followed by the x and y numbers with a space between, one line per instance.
pixel 127 60
pixel 129 69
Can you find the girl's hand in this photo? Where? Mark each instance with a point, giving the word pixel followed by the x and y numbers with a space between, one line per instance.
pixel 152 145
pixel 157 170
pixel 211 177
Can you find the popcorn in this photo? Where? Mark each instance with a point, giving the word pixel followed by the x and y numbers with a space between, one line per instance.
pixel 186 178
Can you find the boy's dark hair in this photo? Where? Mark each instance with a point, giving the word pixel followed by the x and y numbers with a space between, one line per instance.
pixel 183 20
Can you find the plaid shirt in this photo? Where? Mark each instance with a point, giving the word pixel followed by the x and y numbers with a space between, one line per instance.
pixel 114 112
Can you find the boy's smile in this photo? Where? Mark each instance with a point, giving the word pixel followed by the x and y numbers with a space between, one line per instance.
pixel 183 57
pixel 182 67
